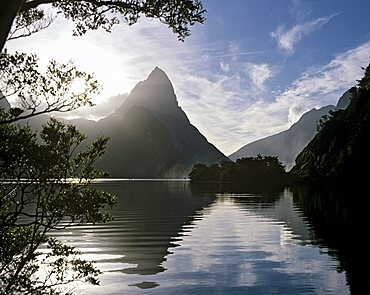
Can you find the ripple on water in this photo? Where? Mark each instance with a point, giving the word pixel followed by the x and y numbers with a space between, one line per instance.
pixel 166 239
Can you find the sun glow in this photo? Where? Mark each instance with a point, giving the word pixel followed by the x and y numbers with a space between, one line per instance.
pixel 78 86
pixel 88 53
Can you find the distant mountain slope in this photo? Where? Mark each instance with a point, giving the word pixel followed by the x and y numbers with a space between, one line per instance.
pixel 4 104
pixel 339 152
pixel 140 146
pixel 151 135
pixel 289 143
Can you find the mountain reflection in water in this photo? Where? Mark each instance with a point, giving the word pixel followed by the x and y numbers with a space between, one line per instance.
pixel 172 237
pixel 340 221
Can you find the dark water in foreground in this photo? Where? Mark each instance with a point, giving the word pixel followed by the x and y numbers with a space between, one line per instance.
pixel 173 238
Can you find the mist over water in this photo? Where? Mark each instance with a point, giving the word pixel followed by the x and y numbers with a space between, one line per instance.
pixel 170 237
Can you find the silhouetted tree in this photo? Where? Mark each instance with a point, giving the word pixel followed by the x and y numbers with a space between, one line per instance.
pixel 340 147
pixel 197 171
pixel 228 171
pixel 205 173
pixel 24 17
pixel 45 186
pixel 260 169
pixel 39 92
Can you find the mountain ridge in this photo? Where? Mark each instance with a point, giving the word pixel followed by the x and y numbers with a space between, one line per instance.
pixel 339 151
pixel 150 135
pixel 289 143
pixel 155 102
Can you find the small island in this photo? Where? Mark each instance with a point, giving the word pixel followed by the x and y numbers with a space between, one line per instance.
pixel 262 169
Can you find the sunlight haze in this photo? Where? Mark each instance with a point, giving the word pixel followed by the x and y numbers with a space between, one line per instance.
pixel 251 71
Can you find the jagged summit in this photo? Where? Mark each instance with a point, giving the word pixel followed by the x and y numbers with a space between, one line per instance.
pixel 155 93
pixel 151 135
pixel 157 76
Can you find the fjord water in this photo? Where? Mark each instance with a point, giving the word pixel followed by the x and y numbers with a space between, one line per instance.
pixel 169 237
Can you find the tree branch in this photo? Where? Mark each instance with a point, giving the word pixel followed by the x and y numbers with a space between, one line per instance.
pixel 32 114
pixel 33 4
pixel 8 12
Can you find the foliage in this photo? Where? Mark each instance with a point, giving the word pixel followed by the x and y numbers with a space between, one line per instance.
pixel 29 22
pixel 266 168
pixel 40 92
pixel 340 148
pixel 44 181
pixel 92 14
pixel 45 186
pixel 20 18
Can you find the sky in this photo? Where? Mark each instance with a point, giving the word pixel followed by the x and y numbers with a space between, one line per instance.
pixel 250 71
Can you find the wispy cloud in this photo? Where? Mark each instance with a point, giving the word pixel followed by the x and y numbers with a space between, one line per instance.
pixel 324 84
pixel 232 116
pixel 259 74
pixel 225 67
pixel 225 93
pixel 288 38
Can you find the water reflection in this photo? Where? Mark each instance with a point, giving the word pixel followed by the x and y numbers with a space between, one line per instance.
pixel 148 220
pixel 340 220
pixel 241 246
pixel 170 237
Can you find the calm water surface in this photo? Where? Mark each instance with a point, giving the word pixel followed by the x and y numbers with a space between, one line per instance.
pixel 171 238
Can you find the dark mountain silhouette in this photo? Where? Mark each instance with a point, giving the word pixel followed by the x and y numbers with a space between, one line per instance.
pixel 289 143
pixel 151 135
pixel 339 151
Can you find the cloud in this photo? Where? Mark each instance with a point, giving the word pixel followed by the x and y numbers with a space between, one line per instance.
pixel 209 102
pixel 231 113
pixel 103 109
pixel 228 111
pixel 288 38
pixel 323 85
pixel 225 95
pixel 225 67
pixel 259 74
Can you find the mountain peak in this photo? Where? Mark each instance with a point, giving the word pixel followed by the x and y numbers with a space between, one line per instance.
pixel 155 93
pixel 158 76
